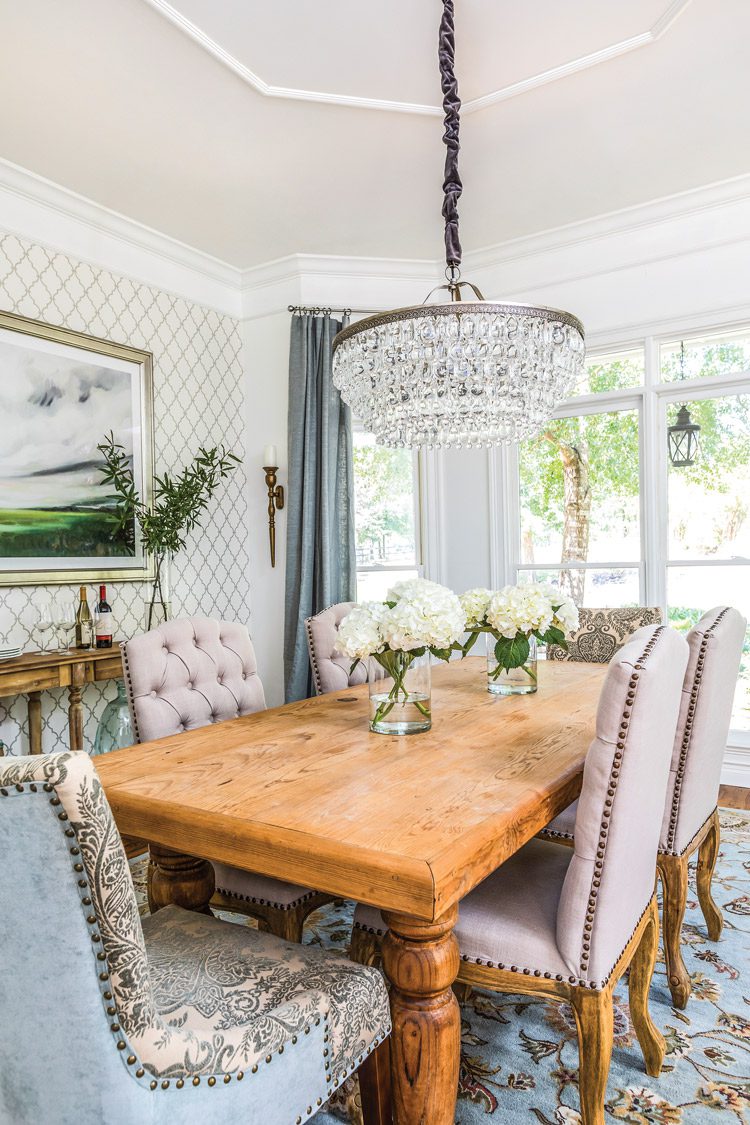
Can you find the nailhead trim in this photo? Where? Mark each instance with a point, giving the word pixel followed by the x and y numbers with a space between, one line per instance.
pixel 553 834
pixel 614 775
pixel 313 658
pixel 311 647
pixel 688 732
pixel 129 687
pixel 267 902
pixel 691 841
pixel 132 1059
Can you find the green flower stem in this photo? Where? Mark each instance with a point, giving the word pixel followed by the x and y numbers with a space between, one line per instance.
pixel 396 665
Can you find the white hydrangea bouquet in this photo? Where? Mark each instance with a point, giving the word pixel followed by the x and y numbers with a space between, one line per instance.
pixel 516 617
pixel 417 619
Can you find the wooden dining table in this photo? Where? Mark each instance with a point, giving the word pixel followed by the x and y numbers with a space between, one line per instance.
pixel 307 794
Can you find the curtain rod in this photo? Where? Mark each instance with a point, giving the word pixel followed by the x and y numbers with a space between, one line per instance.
pixel 314 310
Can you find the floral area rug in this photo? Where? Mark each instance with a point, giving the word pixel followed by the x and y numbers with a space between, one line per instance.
pixel 519 1058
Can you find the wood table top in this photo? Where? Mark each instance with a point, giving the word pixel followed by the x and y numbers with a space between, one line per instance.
pixel 306 793
pixel 33 660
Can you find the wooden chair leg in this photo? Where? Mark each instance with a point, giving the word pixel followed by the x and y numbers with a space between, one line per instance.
pixel 375 1086
pixel 595 1022
pixel 641 972
pixel 707 854
pixel 285 924
pixel 364 948
pixel 674 877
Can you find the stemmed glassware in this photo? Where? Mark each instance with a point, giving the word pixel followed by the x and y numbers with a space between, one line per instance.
pixel 65 621
pixel 44 623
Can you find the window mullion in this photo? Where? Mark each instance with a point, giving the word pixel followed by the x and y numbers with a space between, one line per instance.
pixel 653 486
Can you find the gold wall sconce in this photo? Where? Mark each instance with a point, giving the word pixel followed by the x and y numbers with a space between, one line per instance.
pixel 275 495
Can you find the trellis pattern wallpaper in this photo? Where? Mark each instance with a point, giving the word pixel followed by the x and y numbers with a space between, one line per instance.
pixel 198 400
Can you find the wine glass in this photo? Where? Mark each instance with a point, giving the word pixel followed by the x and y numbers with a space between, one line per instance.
pixel 44 620
pixel 65 622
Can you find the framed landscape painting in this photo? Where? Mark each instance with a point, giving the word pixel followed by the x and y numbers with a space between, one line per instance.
pixel 61 393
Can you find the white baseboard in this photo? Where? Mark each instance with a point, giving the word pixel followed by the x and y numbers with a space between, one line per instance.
pixel 736 768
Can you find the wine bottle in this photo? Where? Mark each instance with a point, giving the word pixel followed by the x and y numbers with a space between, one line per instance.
pixel 103 620
pixel 84 622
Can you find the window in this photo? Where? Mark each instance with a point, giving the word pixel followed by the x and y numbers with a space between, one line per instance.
pixel 386 516
pixel 604 513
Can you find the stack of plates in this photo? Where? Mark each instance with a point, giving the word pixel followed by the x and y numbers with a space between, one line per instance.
pixel 10 652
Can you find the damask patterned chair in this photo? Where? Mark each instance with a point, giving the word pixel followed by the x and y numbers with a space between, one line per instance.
pixel 181 1017
pixel 565 923
pixel 690 816
pixel 184 675
pixel 602 632
pixel 330 668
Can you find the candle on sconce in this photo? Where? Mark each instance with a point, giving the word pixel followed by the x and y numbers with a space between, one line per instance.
pixel 270 457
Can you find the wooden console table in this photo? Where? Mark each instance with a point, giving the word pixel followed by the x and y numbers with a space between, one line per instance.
pixel 35 672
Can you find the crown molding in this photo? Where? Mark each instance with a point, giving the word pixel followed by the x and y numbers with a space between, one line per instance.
pixel 515 89
pixel 625 221
pixel 714 216
pixel 38 209
pixel 340 281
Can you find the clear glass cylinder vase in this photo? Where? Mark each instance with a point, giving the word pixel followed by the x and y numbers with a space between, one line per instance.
pixel 513 681
pixel 400 689
pixel 158 608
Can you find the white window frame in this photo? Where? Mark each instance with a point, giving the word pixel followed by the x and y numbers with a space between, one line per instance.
pixel 417 493
pixel 652 401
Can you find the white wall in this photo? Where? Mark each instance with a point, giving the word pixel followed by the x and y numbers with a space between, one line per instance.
pixel 266 349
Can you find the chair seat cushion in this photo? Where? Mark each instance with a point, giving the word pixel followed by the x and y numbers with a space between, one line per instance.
pixel 509 921
pixel 563 826
pixel 217 978
pixel 259 888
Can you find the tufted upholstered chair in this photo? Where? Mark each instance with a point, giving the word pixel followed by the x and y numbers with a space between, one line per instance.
pixel 186 674
pixel 567 923
pixel 330 668
pixel 690 820
pixel 602 632
pixel 180 1017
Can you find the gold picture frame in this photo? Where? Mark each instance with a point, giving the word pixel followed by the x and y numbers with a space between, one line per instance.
pixel 56 400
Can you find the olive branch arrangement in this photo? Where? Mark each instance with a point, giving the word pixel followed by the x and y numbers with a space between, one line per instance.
pixel 178 505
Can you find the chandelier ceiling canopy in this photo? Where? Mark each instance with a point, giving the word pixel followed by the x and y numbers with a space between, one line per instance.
pixel 461 372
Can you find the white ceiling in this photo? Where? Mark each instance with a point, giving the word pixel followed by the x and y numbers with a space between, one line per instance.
pixel 238 126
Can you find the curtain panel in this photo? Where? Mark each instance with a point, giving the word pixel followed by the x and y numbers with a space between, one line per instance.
pixel 320 560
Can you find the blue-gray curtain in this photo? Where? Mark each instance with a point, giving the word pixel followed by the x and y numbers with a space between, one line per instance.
pixel 320 557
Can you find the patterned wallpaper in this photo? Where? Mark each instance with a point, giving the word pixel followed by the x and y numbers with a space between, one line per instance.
pixel 198 400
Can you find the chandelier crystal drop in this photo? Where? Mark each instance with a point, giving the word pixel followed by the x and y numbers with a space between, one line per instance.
pixel 463 373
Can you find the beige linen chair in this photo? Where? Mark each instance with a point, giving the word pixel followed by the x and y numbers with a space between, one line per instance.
pixel 690 817
pixel 175 1018
pixel 330 668
pixel 602 632
pixel 186 674
pixel 567 924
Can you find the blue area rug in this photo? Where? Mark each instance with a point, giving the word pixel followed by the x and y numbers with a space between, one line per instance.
pixel 519 1059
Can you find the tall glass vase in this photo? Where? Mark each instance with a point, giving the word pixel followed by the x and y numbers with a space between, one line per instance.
pixel 515 681
pixel 400 693
pixel 114 730
pixel 159 605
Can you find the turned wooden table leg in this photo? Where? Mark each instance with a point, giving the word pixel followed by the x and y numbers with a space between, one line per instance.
pixel 75 707
pixel 421 960
pixel 179 879
pixel 35 722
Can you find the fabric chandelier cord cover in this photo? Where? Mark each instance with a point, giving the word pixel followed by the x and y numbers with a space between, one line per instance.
pixel 320 560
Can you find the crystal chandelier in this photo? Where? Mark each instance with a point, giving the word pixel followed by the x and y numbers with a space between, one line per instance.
pixel 461 372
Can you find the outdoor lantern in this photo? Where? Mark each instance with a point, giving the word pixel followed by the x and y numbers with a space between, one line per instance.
pixel 682 439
